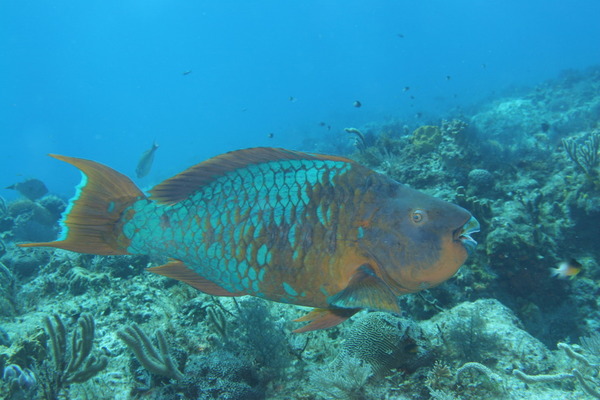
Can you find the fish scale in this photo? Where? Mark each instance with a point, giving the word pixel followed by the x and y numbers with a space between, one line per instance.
pixel 226 249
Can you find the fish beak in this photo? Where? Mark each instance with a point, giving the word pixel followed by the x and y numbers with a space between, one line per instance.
pixel 463 234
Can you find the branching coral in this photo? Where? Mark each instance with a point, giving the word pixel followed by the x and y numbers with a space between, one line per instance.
pixel 156 360
pixel 482 370
pixel 217 321
pixel 440 380
pixel 345 382
pixel 359 139
pixel 453 127
pixel 588 382
pixel 74 363
pixel 584 155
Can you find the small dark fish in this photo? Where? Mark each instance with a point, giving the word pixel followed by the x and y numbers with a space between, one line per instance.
pixel 411 348
pixel 33 189
pixel 322 123
pixel 292 99
pixel 412 97
pixel 448 77
pixel 186 72
pixel 146 160
pixel 406 88
pixel 483 66
pixel 357 104
pixel 271 135
pixel 545 126
pixel 400 35
pixel 418 115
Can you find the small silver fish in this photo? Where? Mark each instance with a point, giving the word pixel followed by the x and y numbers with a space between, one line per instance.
pixel 146 160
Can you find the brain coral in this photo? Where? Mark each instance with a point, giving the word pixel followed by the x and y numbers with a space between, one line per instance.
pixel 481 179
pixel 384 341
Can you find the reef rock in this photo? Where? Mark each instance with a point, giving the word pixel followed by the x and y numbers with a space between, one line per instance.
pixel 488 332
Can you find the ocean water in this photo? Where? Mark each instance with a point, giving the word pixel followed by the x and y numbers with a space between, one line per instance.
pixel 490 105
pixel 104 79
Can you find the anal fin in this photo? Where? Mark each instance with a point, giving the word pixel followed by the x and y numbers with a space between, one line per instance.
pixel 178 270
pixel 323 318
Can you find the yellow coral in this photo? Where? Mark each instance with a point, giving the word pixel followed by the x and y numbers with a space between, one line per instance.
pixel 426 138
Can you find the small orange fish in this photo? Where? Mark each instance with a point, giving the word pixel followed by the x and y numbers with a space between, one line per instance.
pixel 306 229
pixel 566 269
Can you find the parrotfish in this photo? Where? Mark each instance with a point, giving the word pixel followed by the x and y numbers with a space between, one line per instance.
pixel 306 229
pixel 145 164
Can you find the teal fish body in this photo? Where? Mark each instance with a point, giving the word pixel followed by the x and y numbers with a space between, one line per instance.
pixel 251 230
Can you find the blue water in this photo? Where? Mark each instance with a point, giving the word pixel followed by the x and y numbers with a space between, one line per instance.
pixel 103 79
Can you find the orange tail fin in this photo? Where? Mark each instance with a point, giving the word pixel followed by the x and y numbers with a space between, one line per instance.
pixel 91 221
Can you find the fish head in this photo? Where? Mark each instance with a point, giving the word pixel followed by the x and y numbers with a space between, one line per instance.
pixel 419 241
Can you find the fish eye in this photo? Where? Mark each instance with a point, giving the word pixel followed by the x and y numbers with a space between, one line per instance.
pixel 418 216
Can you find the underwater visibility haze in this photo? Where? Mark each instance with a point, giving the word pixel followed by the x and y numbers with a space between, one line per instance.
pixel 274 156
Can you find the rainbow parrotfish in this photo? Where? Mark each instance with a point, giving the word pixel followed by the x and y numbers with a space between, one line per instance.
pixel 306 229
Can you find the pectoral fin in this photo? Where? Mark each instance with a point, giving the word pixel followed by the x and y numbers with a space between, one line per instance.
pixel 178 270
pixel 323 318
pixel 366 290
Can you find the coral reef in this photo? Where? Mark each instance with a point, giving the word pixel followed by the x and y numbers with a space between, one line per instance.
pixel 525 164
pixel 588 361
pixel 426 138
pixel 32 221
pixel 222 375
pixel 347 381
pixel 488 332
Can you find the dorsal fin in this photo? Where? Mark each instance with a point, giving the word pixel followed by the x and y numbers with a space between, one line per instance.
pixel 187 182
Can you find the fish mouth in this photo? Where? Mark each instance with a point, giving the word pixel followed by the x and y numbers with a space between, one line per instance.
pixel 463 234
